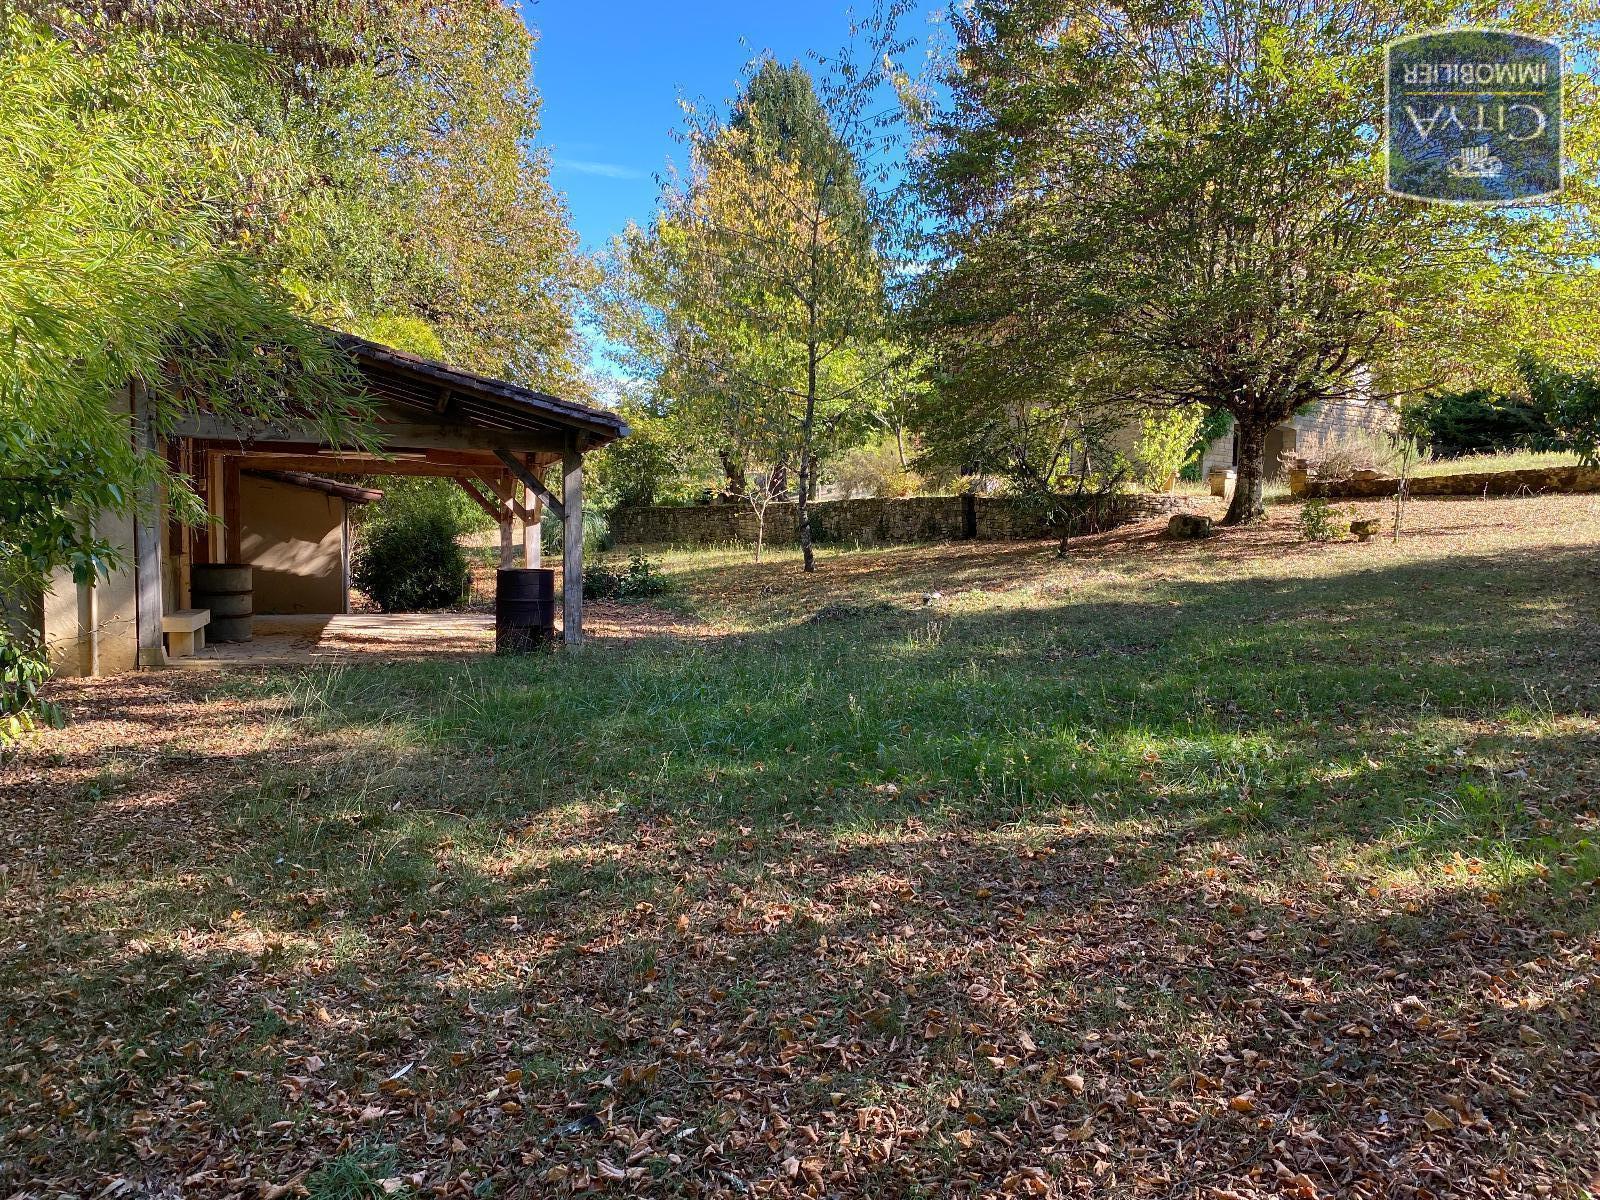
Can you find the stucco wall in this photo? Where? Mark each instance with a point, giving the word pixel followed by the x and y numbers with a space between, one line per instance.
pixel 869 521
pixel 94 630
pixel 294 537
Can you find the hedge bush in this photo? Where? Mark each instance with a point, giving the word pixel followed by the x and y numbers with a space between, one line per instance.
pixel 639 579
pixel 410 562
pixel 1457 424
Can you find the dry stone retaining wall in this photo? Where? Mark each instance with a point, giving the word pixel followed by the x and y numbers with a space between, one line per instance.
pixel 875 522
pixel 1491 483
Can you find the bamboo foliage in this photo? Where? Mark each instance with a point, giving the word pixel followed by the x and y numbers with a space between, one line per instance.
pixel 124 254
pixel 187 193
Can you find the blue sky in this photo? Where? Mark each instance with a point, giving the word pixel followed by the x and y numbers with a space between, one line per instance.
pixel 611 72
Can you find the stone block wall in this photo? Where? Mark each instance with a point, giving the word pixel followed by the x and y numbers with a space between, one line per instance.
pixel 873 522
pixel 1483 483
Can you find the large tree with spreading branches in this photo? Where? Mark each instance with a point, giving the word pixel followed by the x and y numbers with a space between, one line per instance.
pixel 1189 202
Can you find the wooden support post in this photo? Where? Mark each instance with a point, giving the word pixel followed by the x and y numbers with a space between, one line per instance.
pixel 232 522
pixel 572 544
pixel 506 490
pixel 147 525
pixel 533 533
pixel 211 548
pixel 180 457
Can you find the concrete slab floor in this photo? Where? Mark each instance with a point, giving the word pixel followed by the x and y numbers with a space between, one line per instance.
pixel 310 638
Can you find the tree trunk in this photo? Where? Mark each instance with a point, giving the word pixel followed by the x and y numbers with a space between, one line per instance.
pixel 807 465
pixel 1251 470
pixel 733 471
pixel 803 511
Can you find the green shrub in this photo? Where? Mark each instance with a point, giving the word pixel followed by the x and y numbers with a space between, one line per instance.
pixel 411 562
pixel 1316 521
pixel 1570 402
pixel 23 670
pixel 1166 439
pixel 639 579
pixel 1457 424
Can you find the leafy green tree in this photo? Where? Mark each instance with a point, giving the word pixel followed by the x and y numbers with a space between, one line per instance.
pixel 1015 392
pixel 1164 442
pixel 659 462
pixel 650 311
pixel 437 207
pixel 1188 203
pixel 758 299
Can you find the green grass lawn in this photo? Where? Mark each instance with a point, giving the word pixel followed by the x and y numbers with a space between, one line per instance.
pixel 1247 868
pixel 1511 460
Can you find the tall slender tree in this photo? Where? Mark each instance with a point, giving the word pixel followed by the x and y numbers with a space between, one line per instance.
pixel 760 290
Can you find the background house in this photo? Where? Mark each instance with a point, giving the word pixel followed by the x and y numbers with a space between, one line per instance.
pixel 1351 424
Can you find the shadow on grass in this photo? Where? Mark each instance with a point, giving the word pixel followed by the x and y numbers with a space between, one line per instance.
pixel 860 866
pixel 1320 704
pixel 1387 701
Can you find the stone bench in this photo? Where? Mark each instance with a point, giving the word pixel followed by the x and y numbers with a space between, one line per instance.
pixel 185 630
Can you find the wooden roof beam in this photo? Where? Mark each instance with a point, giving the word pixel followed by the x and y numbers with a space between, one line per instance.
pixel 438 463
pixel 533 482
pixel 394 437
pixel 496 513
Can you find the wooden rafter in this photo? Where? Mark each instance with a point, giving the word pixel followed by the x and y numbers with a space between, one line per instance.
pixel 494 510
pixel 533 482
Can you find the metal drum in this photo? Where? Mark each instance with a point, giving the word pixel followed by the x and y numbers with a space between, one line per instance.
pixel 524 609
pixel 228 590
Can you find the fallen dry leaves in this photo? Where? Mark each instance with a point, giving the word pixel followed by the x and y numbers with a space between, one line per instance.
pixel 635 1004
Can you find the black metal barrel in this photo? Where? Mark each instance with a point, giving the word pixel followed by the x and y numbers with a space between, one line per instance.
pixel 524 609
pixel 228 590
